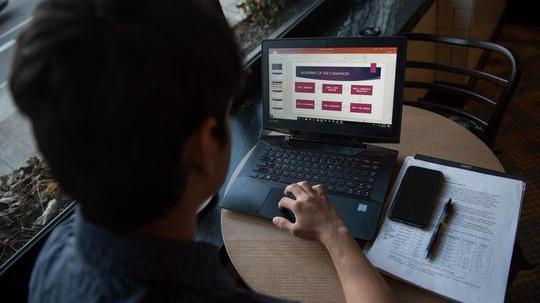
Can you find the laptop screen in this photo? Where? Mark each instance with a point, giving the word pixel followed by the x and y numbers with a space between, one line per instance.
pixel 347 87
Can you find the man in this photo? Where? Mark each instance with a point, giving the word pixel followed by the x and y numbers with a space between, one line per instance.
pixel 130 102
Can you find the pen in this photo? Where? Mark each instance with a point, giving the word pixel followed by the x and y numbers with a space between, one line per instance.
pixel 440 225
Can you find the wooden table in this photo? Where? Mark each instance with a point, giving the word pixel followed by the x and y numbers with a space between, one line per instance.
pixel 275 263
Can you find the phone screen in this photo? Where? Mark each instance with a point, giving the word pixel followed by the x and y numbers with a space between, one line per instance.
pixel 416 196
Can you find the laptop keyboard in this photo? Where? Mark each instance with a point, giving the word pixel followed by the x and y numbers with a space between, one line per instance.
pixel 342 174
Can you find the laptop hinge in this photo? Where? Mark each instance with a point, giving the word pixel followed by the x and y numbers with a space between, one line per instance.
pixel 303 137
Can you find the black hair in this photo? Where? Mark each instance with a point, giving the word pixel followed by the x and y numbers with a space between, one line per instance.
pixel 114 88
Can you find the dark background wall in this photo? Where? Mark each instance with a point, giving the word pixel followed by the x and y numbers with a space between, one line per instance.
pixel 522 12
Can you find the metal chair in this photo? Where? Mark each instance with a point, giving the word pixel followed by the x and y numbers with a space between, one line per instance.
pixel 485 129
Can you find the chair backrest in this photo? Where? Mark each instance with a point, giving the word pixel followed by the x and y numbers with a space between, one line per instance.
pixel 507 86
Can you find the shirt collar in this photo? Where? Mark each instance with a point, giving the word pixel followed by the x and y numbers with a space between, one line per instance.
pixel 192 264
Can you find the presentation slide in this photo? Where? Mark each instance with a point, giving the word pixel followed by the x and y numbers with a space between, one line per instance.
pixel 336 84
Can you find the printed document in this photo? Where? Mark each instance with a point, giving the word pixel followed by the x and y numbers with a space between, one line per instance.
pixel 472 259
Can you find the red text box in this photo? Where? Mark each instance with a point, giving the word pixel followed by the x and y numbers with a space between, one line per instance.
pixel 363 108
pixel 366 90
pixel 309 104
pixel 331 105
pixel 373 68
pixel 304 87
pixel 332 88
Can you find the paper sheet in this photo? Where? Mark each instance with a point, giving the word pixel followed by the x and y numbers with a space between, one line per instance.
pixel 472 260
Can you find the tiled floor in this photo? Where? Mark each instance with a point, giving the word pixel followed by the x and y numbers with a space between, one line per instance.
pixel 519 145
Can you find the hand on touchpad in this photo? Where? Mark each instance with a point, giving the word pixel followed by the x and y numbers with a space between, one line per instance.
pixel 270 206
pixel 287 214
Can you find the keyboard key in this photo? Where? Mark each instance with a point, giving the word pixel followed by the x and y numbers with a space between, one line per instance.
pixel 287 180
pixel 254 174
pixel 361 179
pixel 341 189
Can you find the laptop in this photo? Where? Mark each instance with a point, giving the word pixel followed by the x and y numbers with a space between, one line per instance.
pixel 327 98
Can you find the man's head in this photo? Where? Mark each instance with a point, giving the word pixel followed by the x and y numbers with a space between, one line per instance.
pixel 129 101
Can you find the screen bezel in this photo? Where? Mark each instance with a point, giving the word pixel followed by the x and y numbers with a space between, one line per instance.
pixel 362 131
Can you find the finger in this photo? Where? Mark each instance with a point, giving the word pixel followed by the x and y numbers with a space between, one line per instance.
pixel 286 202
pixel 320 189
pixel 306 186
pixel 283 224
pixel 294 189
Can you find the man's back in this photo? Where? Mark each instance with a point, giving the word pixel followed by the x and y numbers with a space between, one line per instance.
pixel 82 262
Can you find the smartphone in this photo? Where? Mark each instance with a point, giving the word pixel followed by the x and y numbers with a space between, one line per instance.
pixel 417 193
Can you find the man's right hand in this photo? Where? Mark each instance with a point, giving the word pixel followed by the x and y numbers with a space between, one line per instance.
pixel 316 218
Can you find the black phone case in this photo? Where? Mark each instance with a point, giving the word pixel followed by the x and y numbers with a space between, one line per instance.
pixel 432 195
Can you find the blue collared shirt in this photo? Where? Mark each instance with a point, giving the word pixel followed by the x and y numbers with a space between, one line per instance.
pixel 82 262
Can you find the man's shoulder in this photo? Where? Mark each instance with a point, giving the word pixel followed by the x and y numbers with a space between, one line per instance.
pixel 57 264
pixel 62 274
pixel 58 248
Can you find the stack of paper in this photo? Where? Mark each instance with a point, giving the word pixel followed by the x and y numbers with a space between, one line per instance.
pixel 472 261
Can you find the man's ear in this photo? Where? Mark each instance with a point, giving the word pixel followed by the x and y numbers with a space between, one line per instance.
pixel 201 149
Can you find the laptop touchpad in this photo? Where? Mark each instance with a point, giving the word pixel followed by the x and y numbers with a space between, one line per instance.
pixel 270 208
